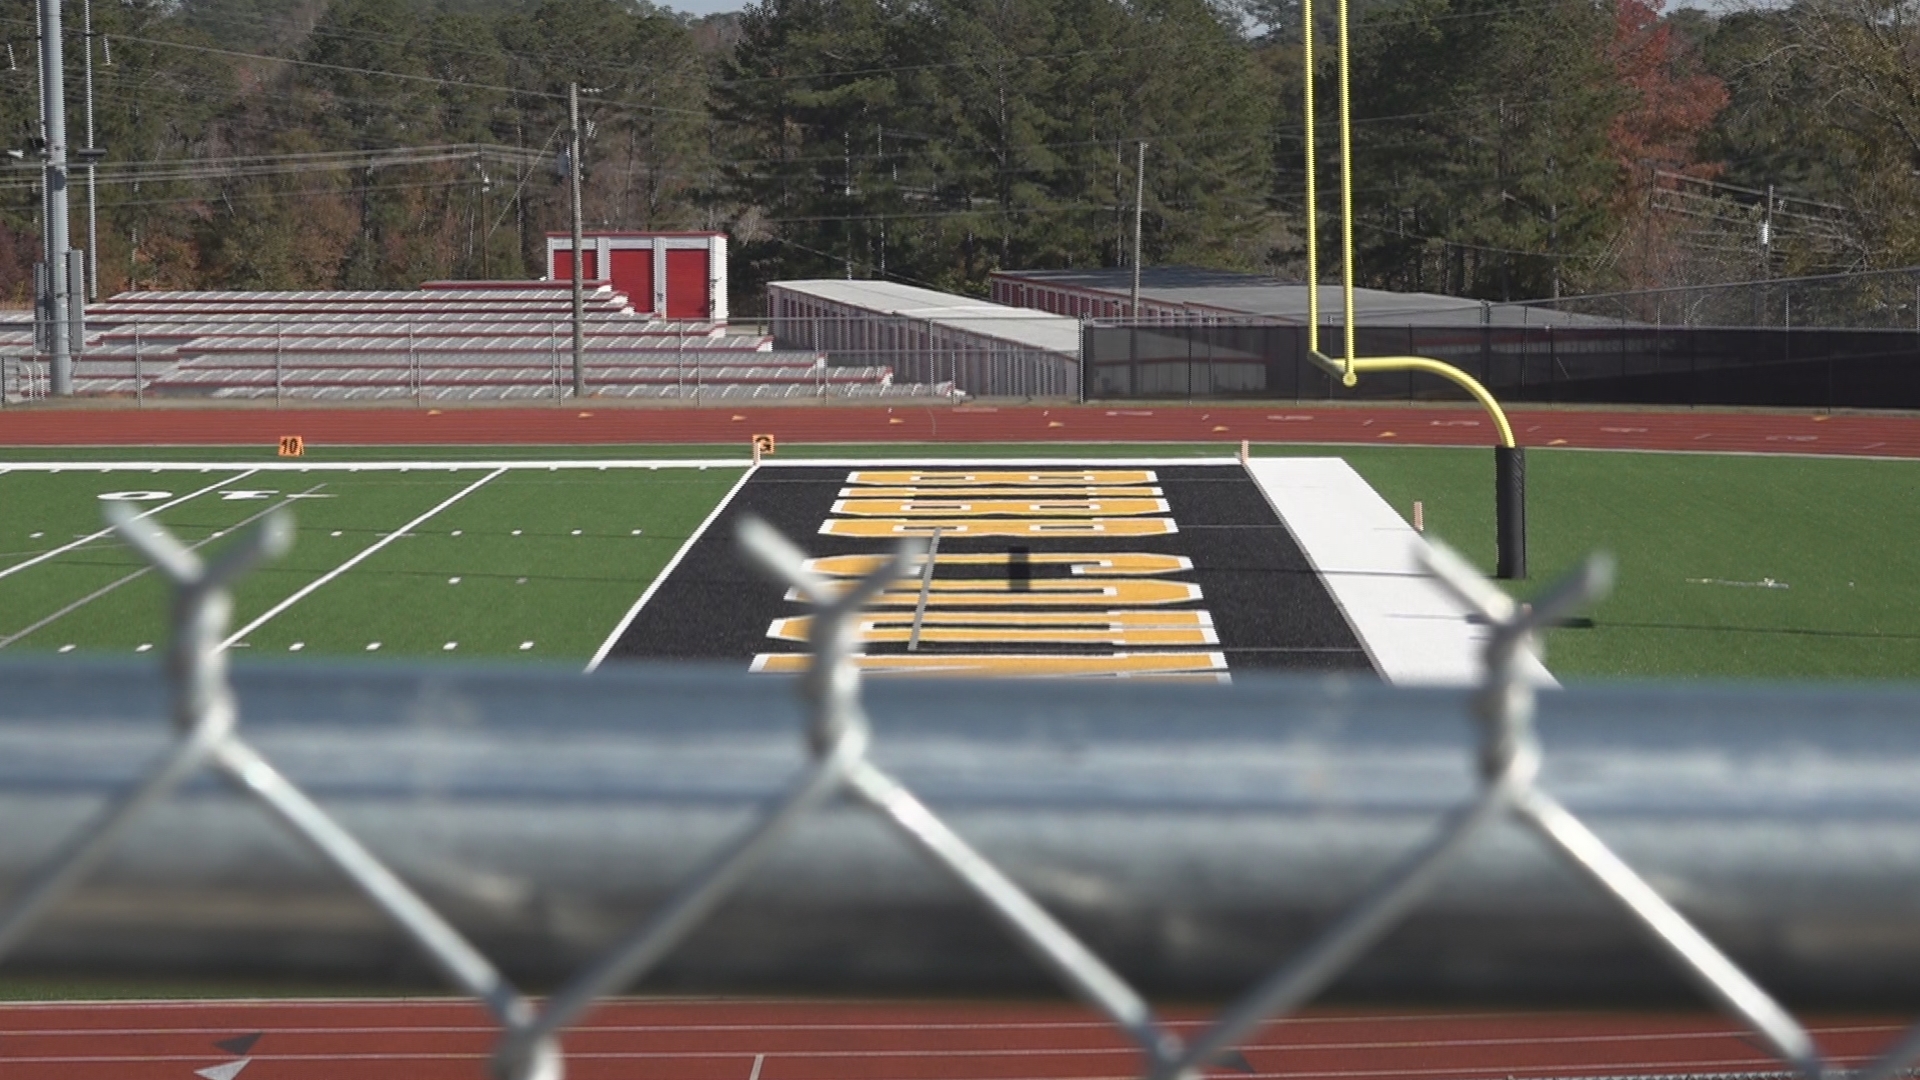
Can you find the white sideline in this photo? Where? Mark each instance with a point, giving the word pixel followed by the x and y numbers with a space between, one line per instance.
pixel 373 466
pixel 308 589
pixel 1413 629
pixel 660 578
pixel 615 463
pixel 90 538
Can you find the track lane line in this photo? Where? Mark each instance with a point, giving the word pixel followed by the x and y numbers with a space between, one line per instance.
pixel 654 586
pixel 85 540
pixel 308 589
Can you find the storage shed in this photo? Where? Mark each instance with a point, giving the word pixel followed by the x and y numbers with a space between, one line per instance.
pixel 982 348
pixel 667 275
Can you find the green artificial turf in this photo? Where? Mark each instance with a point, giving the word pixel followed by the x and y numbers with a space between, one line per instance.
pixel 1698 539
pixel 553 558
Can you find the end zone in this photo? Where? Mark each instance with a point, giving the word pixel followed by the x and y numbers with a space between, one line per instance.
pixel 1074 567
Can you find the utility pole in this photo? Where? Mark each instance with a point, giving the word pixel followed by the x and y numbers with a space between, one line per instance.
pixel 1139 196
pixel 93 218
pixel 53 118
pixel 579 256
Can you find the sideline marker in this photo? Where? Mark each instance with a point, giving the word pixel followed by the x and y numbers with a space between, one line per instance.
pixel 762 444
pixel 1419 517
pixel 1243 453
pixel 292 446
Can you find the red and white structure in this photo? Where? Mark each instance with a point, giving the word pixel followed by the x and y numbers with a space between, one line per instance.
pixel 666 275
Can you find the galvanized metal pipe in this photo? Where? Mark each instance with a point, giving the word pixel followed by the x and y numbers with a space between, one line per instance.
pixel 1192 836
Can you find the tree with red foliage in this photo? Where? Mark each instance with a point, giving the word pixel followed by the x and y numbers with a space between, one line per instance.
pixel 1669 105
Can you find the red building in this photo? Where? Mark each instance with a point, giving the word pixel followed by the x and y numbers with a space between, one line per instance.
pixel 667 275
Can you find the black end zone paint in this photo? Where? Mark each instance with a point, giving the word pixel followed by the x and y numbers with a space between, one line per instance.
pixel 1269 607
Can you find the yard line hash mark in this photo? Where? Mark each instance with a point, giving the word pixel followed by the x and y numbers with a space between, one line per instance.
pixel 136 575
pixel 366 553
pixel 91 537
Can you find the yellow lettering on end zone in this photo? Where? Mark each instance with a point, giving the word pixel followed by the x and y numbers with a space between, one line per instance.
pixel 1208 665
pixel 1080 563
pixel 961 628
pixel 1054 592
pixel 951 528
pixel 964 507
pixel 924 477
pixel 948 491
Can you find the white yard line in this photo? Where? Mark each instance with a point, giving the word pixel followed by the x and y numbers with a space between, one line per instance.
pixel 307 590
pixel 634 611
pixel 142 572
pixel 85 540
pixel 1413 629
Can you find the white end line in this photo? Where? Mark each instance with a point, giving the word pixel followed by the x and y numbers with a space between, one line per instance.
pixel 634 611
pixel 85 540
pixel 308 589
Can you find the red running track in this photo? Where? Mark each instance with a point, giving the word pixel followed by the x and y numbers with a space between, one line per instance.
pixel 718 1040
pixel 1877 435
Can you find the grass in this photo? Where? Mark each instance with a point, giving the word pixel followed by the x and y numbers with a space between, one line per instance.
pixel 548 558
pixel 1697 538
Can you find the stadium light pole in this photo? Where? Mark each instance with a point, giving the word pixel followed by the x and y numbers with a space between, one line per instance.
pixel 53 118
pixel 579 257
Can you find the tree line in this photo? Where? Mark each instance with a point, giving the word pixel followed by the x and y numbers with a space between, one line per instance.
pixel 1503 149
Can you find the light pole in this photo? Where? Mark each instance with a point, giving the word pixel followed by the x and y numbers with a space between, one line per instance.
pixel 579 256
pixel 53 117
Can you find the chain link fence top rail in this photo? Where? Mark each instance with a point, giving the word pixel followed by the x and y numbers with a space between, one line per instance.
pixel 842 770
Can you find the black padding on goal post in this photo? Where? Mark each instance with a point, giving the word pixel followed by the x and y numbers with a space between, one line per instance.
pixel 1510 511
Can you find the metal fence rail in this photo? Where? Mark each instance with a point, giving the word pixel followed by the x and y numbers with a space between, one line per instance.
pixel 1192 836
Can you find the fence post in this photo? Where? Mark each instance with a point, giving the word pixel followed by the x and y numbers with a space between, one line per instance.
pixel 139 384
pixel 413 364
pixel 279 344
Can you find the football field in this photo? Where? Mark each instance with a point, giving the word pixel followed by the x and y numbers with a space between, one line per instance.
pixel 397 558
pixel 1731 565
pixel 1175 567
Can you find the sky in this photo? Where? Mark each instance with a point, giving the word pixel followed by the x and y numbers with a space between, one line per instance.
pixel 704 7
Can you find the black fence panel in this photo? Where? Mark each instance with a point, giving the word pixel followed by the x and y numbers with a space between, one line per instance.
pixel 1814 367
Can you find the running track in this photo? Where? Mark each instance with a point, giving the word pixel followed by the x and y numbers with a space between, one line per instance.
pixel 719 1040
pixel 712 1040
pixel 1876 435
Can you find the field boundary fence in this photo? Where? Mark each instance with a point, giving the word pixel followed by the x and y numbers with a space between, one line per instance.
pixel 1625 364
pixel 845 776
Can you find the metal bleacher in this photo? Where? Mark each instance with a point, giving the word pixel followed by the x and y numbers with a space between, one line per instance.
pixel 441 344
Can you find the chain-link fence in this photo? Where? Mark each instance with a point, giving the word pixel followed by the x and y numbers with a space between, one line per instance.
pixel 1872 300
pixel 1503 800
